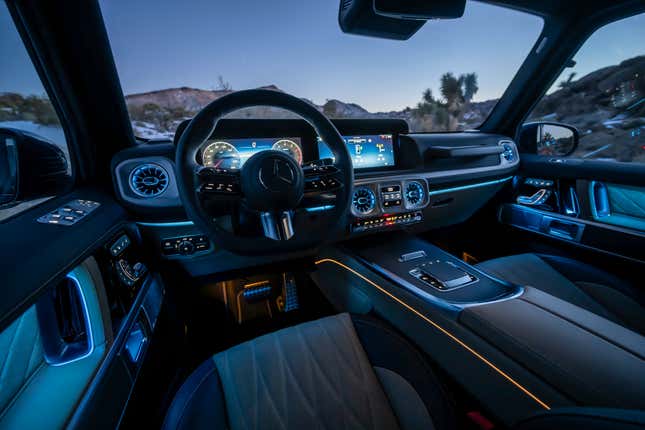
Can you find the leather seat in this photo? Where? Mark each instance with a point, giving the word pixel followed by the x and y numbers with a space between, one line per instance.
pixel 575 282
pixel 334 373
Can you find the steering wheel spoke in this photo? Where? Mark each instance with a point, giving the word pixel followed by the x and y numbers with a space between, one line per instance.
pixel 277 226
pixel 218 190
pixel 214 182
pixel 321 176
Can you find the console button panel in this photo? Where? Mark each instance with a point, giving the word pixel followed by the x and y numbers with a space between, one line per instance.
pixel 185 245
pixel 391 196
pixel 70 213
pixel 387 221
pixel 381 200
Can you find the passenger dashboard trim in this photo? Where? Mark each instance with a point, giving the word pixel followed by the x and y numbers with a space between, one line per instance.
pixel 503 167
pixel 441 329
pixel 469 186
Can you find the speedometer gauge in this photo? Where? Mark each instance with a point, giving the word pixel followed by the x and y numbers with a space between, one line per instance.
pixel 221 155
pixel 290 147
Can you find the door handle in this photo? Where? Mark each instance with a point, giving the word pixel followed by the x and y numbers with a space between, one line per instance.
pixel 562 228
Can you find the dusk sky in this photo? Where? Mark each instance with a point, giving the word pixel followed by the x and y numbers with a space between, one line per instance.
pixel 298 46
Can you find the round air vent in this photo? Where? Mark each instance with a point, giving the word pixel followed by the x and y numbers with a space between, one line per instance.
pixel 363 201
pixel 508 154
pixel 414 194
pixel 149 180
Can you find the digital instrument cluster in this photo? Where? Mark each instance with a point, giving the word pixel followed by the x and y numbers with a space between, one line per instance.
pixel 233 153
pixel 367 152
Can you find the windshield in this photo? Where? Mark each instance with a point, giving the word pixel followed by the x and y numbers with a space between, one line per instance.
pixel 175 57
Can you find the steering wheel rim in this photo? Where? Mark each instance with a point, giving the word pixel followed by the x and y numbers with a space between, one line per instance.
pixel 201 128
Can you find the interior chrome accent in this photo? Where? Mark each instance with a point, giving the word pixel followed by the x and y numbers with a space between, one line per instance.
pixel 599 200
pixel 149 180
pixel 509 150
pixel 64 359
pixel 363 201
pixel 571 203
pixel 414 195
pixel 536 199
pixel 412 256
pixel 277 229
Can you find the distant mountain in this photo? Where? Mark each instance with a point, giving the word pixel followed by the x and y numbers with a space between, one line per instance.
pixel 156 114
pixel 190 99
pixel 607 106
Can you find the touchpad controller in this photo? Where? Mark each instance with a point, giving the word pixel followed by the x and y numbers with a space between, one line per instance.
pixel 442 275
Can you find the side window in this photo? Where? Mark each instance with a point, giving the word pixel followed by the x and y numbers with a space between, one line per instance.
pixel 34 158
pixel 602 96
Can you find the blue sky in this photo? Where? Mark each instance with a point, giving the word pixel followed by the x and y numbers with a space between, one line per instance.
pixel 297 45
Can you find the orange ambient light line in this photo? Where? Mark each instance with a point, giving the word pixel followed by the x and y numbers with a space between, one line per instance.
pixel 256 284
pixel 441 329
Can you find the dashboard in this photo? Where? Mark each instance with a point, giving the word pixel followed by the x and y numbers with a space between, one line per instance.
pixel 373 146
pixel 401 179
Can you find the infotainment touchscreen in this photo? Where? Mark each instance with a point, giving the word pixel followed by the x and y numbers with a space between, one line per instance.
pixel 367 152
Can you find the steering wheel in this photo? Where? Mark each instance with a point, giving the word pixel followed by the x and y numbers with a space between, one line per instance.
pixel 297 207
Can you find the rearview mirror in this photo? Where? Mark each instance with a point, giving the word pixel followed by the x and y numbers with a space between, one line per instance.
pixel 420 9
pixel 30 167
pixel 359 17
pixel 549 138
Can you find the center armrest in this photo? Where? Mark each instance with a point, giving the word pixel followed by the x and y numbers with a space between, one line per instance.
pixel 591 359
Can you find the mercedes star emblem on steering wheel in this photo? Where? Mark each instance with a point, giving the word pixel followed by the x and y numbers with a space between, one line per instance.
pixel 276 174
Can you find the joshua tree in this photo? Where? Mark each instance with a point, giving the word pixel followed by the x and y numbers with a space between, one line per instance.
pixel 428 105
pixel 457 93
pixel 470 85
pixel 451 89
pixel 222 85
pixel 568 82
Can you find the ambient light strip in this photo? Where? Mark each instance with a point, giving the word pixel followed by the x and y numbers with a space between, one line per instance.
pixel 441 329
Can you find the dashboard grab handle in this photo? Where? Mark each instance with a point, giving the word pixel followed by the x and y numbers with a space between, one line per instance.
pixel 464 151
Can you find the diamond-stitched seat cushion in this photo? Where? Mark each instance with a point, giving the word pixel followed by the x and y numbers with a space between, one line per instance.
pixel 316 375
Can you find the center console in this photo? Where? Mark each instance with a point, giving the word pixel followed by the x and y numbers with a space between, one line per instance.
pixel 426 270
pixel 579 356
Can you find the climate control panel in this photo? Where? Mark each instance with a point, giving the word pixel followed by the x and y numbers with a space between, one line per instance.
pixel 393 197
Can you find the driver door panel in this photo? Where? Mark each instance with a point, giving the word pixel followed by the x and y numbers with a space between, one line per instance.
pixel 72 337
pixel 48 380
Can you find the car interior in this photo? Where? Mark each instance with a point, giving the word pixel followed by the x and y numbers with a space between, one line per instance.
pixel 260 261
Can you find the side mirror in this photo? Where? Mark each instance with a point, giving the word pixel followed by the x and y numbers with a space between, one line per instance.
pixel 549 138
pixel 30 167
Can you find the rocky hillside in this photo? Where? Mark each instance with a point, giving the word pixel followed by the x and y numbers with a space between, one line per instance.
pixel 606 105
pixel 156 114
pixel 608 108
